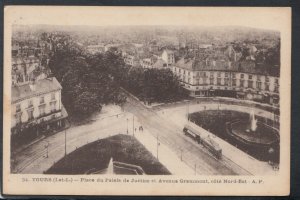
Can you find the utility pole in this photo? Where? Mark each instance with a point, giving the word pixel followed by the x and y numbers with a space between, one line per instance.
pixel 157 144
pixel 187 111
pixel 65 142
pixel 127 126
pixel 195 169
pixel 47 150
pixel 181 154
pixel 133 124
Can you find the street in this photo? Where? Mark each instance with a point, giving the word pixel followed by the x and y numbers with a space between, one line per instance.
pixel 164 123
pixel 194 155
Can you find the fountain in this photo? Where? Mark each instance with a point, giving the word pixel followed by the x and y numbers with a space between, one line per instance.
pixel 254 135
pixel 253 123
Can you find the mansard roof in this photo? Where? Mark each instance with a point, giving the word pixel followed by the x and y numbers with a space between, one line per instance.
pixel 47 85
pixel 246 66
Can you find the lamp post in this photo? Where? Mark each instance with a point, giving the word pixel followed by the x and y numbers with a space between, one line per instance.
pixel 47 149
pixel 133 124
pixel 157 144
pixel 188 111
pixel 181 154
pixel 127 125
pixel 65 142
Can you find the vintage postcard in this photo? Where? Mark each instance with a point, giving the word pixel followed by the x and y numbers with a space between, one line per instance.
pixel 146 100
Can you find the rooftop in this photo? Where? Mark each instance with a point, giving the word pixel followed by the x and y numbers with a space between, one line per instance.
pixel 28 59
pixel 246 66
pixel 159 63
pixel 169 51
pixel 43 86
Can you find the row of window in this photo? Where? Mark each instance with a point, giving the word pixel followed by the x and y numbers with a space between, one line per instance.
pixel 30 102
pixel 234 83
pixel 30 112
pixel 234 75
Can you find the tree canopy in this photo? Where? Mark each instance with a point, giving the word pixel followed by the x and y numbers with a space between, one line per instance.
pixel 90 81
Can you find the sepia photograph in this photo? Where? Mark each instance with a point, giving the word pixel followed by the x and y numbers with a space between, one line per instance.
pixel 155 97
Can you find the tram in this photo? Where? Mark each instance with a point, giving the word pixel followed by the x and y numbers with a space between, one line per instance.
pixel 203 138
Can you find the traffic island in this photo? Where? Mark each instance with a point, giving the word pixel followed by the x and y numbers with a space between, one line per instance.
pixel 96 157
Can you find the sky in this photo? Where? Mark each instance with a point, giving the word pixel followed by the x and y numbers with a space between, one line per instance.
pixel 264 17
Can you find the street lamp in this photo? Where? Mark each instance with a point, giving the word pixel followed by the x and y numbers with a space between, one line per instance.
pixel 157 144
pixel 133 124
pixel 181 154
pixel 65 142
pixel 46 147
pixel 127 126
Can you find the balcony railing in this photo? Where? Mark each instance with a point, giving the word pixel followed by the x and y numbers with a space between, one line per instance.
pixel 50 113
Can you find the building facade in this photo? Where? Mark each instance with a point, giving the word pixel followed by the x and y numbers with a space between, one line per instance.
pixel 36 106
pixel 94 49
pixel 229 79
pixel 168 57
pixel 25 69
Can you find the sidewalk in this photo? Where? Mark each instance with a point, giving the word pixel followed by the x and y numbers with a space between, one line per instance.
pixel 33 159
pixel 254 166
pixel 40 138
pixel 165 156
pixel 217 100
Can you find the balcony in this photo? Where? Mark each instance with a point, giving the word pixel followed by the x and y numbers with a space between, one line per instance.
pixel 45 115
pixel 30 107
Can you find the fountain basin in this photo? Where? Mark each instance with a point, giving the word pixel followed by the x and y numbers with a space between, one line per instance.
pixel 264 135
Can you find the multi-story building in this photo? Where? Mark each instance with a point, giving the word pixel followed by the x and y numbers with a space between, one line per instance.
pixel 239 79
pixel 147 63
pixel 93 49
pixel 131 60
pixel 25 69
pixel 153 62
pixel 21 50
pixel 168 57
pixel 36 106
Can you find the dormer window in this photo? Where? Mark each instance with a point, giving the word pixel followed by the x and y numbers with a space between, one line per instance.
pixel 214 63
pixel 30 104
pixel 18 108
pixel 229 64
pixel 267 79
pixel 52 96
pixel 42 100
